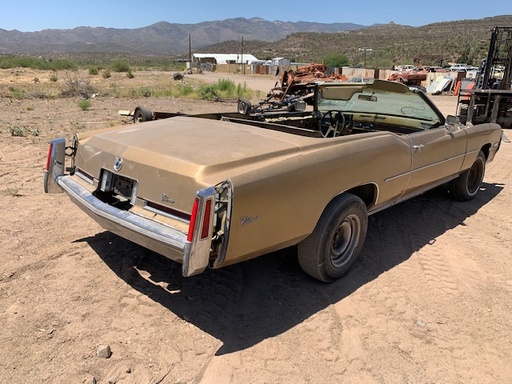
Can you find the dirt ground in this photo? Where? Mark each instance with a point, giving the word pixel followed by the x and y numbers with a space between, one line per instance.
pixel 429 301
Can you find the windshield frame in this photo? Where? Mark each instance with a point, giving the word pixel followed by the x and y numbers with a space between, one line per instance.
pixel 383 98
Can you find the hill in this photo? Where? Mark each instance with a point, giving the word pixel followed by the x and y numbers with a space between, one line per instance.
pixel 386 44
pixel 462 41
pixel 158 39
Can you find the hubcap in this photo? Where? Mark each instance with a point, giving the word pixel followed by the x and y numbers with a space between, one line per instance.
pixel 345 240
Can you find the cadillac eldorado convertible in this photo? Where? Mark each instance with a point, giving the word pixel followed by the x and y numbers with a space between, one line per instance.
pixel 210 190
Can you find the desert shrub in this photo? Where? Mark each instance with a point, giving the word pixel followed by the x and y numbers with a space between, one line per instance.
pixel 129 74
pixel 242 91
pixel 76 85
pixel 145 92
pixel 226 85
pixel 228 89
pixel 17 93
pixel 106 74
pixel 93 71
pixel 84 104
pixel 17 131
pixel 120 66
pixel 208 92
pixel 184 90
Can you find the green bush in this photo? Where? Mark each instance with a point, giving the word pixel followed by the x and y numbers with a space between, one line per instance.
pixel 120 66
pixel 17 93
pixel 226 85
pixel 93 71
pixel 129 74
pixel 17 131
pixel 184 90
pixel 84 104
pixel 208 92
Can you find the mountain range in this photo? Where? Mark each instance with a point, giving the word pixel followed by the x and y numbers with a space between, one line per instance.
pixel 162 38
pixel 464 41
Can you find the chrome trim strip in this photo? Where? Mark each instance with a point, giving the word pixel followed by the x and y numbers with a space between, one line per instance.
pixel 163 213
pixel 84 176
pixel 437 163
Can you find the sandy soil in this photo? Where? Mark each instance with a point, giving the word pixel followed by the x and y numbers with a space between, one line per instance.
pixel 429 301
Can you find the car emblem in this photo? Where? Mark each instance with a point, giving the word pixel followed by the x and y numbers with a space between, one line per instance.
pixel 167 199
pixel 118 164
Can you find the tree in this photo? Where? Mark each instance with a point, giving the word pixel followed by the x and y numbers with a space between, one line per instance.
pixel 336 60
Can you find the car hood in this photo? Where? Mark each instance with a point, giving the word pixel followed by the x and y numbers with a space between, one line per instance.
pixel 184 153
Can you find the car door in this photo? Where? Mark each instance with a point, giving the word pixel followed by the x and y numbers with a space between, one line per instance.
pixel 437 153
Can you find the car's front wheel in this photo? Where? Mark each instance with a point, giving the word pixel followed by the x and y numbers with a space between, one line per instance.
pixel 336 242
pixel 466 186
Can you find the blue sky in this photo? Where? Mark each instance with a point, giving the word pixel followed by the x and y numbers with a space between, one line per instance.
pixel 36 15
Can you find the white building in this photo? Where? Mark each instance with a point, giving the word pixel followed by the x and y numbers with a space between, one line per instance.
pixel 223 58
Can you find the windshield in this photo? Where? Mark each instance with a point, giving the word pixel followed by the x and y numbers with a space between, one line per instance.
pixel 368 99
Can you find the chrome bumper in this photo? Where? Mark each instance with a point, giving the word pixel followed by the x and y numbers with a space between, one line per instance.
pixel 148 233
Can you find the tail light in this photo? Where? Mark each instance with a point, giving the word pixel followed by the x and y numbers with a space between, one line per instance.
pixel 200 231
pixel 49 158
pixel 193 218
pixel 202 212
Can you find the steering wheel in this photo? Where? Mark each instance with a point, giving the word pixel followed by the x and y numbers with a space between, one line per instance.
pixel 330 123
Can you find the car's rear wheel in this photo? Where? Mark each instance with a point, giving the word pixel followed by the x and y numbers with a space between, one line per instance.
pixel 329 252
pixel 466 186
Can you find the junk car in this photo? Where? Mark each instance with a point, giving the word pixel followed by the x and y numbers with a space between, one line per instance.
pixel 211 190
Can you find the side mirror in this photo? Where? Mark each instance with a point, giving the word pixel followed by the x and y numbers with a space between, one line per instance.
pixel 452 120
pixel 452 123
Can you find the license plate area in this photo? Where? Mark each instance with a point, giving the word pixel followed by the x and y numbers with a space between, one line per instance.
pixel 120 188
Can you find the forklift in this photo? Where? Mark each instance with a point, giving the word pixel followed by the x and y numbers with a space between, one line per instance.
pixel 488 99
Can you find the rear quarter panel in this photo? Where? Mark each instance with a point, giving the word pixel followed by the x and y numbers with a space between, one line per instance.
pixel 279 205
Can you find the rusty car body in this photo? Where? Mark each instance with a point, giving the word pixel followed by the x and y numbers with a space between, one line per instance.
pixel 212 190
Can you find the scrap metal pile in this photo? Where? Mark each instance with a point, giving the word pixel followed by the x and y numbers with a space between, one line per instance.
pixel 293 82
pixel 409 77
pixel 294 90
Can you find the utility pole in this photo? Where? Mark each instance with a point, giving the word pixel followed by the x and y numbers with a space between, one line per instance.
pixel 365 50
pixel 243 66
pixel 190 51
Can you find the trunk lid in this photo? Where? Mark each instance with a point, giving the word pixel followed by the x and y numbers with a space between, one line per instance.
pixel 178 156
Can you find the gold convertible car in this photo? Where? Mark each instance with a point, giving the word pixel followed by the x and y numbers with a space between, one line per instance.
pixel 211 190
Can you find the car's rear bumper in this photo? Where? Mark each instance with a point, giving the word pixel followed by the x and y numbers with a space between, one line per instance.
pixel 148 233
pixel 159 237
